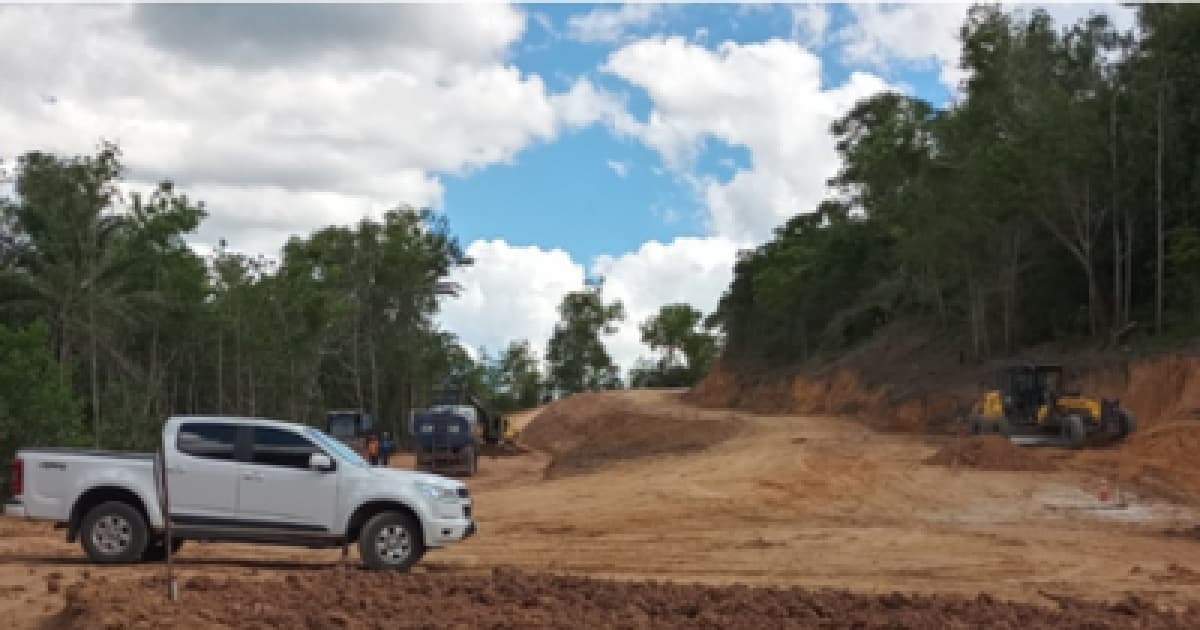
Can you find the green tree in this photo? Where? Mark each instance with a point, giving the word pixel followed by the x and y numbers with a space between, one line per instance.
pixel 575 356
pixel 688 350
pixel 37 407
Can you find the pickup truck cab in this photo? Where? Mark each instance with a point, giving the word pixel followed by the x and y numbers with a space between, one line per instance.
pixel 240 480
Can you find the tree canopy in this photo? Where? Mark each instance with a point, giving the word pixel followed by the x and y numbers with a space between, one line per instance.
pixel 1055 199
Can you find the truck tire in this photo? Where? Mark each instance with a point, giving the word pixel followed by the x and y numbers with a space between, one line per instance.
pixel 114 533
pixel 157 552
pixel 391 541
pixel 471 459
pixel 976 425
pixel 1073 432
pixel 1001 426
pixel 1126 423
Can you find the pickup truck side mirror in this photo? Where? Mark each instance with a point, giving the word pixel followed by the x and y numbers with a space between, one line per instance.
pixel 320 462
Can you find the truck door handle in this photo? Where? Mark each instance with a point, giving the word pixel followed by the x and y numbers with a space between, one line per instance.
pixel 252 477
pixel 175 469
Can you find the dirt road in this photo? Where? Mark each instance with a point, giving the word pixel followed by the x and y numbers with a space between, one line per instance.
pixel 788 501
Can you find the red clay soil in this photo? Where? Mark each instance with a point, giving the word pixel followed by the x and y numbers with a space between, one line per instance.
pixel 931 393
pixel 587 430
pixel 1163 460
pixel 350 598
pixel 989 452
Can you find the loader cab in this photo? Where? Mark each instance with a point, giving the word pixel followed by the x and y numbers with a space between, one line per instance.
pixel 1025 388
pixel 460 400
pixel 350 426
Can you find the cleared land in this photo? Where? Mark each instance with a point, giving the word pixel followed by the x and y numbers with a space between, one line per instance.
pixel 718 498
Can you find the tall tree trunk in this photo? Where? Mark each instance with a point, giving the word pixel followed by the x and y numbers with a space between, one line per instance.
pixel 358 383
pixel 238 401
pixel 95 372
pixel 1158 212
pixel 375 411
pixel 1118 320
pixel 220 408
pixel 1128 292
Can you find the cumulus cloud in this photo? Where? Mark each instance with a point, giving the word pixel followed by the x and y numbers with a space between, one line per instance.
pixel 695 270
pixel 511 292
pixel 914 35
pixel 253 34
pixel 766 97
pixel 610 25
pixel 809 23
pixel 285 118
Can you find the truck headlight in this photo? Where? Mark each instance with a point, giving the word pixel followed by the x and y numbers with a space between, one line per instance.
pixel 437 492
pixel 452 428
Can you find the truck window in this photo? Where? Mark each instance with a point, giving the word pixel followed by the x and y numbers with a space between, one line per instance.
pixel 202 439
pixel 276 447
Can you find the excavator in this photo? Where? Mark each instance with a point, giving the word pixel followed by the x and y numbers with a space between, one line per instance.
pixel 1032 407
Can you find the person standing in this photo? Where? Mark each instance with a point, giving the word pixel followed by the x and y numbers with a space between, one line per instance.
pixel 385 449
pixel 373 449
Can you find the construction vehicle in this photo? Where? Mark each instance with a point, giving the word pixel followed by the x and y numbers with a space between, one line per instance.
pixel 351 427
pixel 452 431
pixel 1031 406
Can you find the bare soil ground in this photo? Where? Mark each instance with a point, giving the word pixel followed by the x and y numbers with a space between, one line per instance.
pixel 781 502
pixel 513 599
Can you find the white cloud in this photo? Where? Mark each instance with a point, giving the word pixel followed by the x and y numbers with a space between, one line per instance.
pixel 695 270
pixel 585 104
pixel 280 130
pixel 618 167
pixel 809 23
pixel 766 97
pixel 513 292
pixel 907 35
pixel 610 25
pixel 509 293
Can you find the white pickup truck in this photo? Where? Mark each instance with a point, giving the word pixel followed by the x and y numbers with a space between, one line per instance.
pixel 240 480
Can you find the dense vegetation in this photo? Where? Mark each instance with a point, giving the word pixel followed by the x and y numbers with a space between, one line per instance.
pixel 111 322
pixel 1057 199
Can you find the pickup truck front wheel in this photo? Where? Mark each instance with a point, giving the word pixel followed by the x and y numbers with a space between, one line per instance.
pixel 114 533
pixel 392 541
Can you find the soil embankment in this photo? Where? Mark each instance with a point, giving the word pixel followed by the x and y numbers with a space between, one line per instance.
pixel 931 394
pixel 588 430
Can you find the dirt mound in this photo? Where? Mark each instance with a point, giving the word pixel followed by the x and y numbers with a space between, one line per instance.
pixel 1160 460
pixel 342 598
pixel 587 430
pixel 989 452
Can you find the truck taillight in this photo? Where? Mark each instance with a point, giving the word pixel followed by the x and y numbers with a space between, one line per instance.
pixel 18 477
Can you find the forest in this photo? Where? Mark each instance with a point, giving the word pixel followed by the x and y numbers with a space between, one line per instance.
pixel 1056 199
pixel 110 321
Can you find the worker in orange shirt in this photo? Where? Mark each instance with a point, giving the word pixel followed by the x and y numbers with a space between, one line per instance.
pixel 373 450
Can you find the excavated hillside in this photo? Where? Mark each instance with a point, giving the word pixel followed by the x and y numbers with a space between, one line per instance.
pixel 916 387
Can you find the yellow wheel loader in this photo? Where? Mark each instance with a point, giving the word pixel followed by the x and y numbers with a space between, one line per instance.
pixel 1032 407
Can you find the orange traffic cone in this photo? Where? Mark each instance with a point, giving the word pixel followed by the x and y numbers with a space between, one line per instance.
pixel 1103 490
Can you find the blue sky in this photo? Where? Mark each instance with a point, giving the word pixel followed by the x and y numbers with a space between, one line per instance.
pixel 645 144
pixel 564 194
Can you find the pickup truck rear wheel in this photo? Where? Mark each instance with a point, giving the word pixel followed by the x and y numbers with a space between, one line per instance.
pixel 114 533
pixel 392 541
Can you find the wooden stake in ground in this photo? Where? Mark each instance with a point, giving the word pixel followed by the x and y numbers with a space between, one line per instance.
pixel 165 502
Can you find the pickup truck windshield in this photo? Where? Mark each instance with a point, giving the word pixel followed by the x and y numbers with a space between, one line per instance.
pixel 337 447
